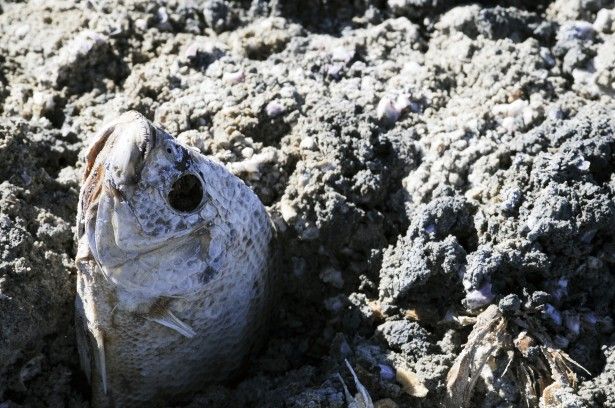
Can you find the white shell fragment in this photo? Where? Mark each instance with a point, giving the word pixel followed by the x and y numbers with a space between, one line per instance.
pixel 274 109
pixel 390 108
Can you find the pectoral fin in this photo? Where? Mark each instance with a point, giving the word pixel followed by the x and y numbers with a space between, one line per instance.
pixel 99 356
pixel 91 347
pixel 171 321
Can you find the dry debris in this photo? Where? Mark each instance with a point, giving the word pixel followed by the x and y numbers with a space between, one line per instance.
pixel 529 357
pixel 361 399
pixel 411 383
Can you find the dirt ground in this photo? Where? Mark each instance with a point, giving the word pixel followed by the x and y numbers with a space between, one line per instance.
pixel 421 159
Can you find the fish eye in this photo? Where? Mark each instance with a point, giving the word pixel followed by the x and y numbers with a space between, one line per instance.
pixel 186 193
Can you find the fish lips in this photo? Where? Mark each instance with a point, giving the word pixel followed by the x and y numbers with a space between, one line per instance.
pixel 122 147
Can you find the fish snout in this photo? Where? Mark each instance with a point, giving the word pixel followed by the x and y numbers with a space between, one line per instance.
pixel 134 139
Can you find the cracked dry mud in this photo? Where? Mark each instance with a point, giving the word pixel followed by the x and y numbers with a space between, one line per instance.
pixel 422 160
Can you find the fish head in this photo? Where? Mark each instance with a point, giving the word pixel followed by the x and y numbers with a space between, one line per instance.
pixel 146 207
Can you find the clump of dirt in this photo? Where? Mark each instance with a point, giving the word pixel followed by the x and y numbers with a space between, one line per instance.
pixel 423 161
pixel 36 267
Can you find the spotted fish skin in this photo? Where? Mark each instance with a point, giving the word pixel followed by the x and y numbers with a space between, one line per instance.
pixel 174 268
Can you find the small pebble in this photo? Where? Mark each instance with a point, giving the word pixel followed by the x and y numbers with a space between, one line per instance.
pixel 575 30
pixel 561 342
pixel 163 19
pixel 547 57
pixel 572 322
pixel 308 143
pixel 335 70
pixel 84 43
pixel 31 369
pixel 42 102
pixel 310 234
pixel 479 297
pixel 512 199
pixel 22 30
pixel 342 54
pixel 274 109
pixel 553 314
pixel 234 77
pixel 588 236
pixel 332 276
pixel 403 102
pixel 334 304
pixel 559 289
pixel 192 51
pixel 247 152
pixel 604 21
pixel 387 111
pixel 555 113
pixel 537 299
pixel 510 304
pixel 581 164
pixel 287 210
pixel 594 263
pixel 141 24
pixel 387 373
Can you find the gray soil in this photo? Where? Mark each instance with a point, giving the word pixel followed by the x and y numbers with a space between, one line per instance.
pixel 422 159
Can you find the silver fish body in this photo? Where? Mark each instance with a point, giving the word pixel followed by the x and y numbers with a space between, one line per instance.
pixel 174 268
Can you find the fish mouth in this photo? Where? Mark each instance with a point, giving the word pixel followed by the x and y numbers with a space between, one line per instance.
pixel 128 151
pixel 115 158
pixel 130 137
pixel 114 161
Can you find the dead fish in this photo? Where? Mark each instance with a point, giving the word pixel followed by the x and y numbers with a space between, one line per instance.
pixel 174 268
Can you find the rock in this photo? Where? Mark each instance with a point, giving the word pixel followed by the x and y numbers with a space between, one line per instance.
pixel 218 15
pixel 408 337
pixel 264 37
pixel 509 304
pixel 86 50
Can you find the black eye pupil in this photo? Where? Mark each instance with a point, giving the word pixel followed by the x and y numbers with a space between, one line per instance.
pixel 186 193
pixel 169 150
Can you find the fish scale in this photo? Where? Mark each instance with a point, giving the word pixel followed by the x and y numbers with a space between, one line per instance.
pixel 152 328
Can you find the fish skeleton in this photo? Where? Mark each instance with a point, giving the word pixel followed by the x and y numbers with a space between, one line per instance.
pixel 174 268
